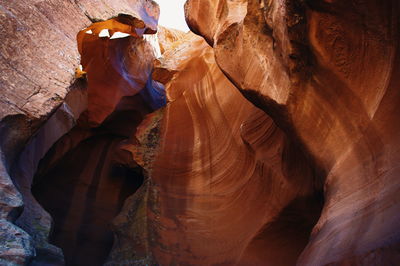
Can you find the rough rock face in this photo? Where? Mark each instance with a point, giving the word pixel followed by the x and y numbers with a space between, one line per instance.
pixel 36 77
pixel 85 196
pixel 38 60
pixel 327 72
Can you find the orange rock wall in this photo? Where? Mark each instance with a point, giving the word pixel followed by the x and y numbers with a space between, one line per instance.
pixel 223 175
pixel 327 74
pixel 278 144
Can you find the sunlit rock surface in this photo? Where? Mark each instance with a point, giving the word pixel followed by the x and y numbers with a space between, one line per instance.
pixel 118 62
pixel 36 76
pixel 269 139
pixel 168 38
pixel 327 72
pixel 224 182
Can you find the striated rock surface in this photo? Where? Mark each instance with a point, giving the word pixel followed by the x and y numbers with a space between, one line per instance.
pixel 278 143
pixel 224 181
pixel 327 74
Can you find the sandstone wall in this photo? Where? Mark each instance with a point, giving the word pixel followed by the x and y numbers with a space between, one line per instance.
pixel 278 143
pixel 327 72
pixel 38 59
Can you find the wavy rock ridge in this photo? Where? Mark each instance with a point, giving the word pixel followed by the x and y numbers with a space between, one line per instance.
pixel 218 180
pixel 327 73
pixel 270 139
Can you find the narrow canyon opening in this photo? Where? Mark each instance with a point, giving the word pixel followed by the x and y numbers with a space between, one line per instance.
pixel 83 192
pixel 83 183
pixel 267 134
pixel 85 178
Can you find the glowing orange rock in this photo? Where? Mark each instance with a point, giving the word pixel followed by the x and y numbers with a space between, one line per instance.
pixel 327 72
pixel 216 174
pixel 118 62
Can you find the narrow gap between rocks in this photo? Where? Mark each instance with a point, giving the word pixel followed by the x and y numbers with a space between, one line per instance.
pixel 83 192
pixel 84 179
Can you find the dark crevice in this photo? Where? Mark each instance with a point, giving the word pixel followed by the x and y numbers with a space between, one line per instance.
pixel 282 241
pixel 83 192
pixel 84 187
pixel 83 181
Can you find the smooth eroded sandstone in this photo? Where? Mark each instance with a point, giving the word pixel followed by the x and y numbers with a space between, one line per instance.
pixel 223 181
pixel 271 138
pixel 327 74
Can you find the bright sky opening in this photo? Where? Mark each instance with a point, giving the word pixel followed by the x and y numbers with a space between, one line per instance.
pixel 172 14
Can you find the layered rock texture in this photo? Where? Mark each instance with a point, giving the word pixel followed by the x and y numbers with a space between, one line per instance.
pixel 216 176
pixel 266 136
pixel 327 72
pixel 41 101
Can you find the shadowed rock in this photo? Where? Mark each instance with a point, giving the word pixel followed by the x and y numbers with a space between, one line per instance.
pixel 327 74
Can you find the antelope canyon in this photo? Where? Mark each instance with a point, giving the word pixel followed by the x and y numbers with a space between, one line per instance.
pixel 268 134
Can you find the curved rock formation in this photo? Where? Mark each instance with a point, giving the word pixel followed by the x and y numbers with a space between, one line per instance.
pixel 83 192
pixel 272 138
pixel 327 73
pixel 36 86
pixel 117 66
pixel 223 175
pixel 168 38
pixel 36 77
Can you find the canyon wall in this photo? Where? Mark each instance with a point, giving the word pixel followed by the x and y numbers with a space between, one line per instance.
pixel 40 101
pixel 327 72
pixel 266 136
pixel 223 175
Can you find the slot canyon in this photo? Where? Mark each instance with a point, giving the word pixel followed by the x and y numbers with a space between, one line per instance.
pixel 268 134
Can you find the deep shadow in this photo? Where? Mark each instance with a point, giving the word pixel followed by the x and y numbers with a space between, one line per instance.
pixel 83 192
pixel 282 241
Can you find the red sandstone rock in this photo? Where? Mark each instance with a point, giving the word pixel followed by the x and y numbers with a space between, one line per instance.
pixel 84 190
pixel 328 74
pixel 218 180
pixel 37 62
pixel 227 183
pixel 37 75
pixel 115 67
pixel 168 38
